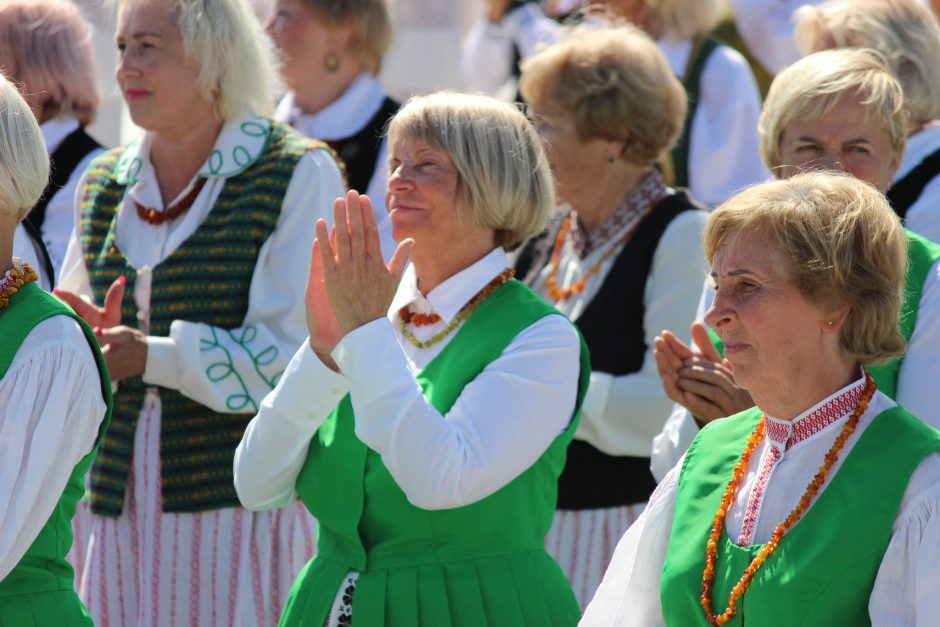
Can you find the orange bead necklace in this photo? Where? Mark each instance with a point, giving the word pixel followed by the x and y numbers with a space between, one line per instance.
pixel 17 278
pixel 718 524
pixel 561 293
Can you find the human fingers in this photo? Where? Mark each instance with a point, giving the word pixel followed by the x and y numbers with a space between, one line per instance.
pixel 664 355
pixel 341 234
pixel 677 346
pixel 372 241
pixel 86 311
pixel 400 257
pixel 703 341
pixel 357 245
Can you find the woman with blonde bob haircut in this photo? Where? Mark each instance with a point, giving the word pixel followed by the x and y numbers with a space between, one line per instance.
pixel 56 401
pixel 907 34
pixel 443 398
pixel 332 52
pixel 184 259
pixel 620 260
pixel 771 512
pixel 45 50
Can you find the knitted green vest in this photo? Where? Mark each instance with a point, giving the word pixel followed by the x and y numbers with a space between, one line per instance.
pixel 922 254
pixel 824 569
pixel 481 564
pixel 206 280
pixel 40 589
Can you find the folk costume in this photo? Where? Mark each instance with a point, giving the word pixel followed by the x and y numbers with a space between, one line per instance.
pixel 57 402
pixel 915 193
pixel 431 463
pixel 844 562
pixel 635 275
pixel 218 294
pixel 907 379
pixel 354 126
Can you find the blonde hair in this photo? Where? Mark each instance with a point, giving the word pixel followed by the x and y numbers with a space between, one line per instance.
pixel 816 84
pixel 24 162
pixel 905 32
pixel 371 26
pixel 678 20
pixel 839 243
pixel 236 59
pixel 504 181
pixel 51 43
pixel 616 83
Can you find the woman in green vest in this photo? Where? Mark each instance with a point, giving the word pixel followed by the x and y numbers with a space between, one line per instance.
pixel 56 402
pixel 821 505
pixel 425 421
pixel 837 109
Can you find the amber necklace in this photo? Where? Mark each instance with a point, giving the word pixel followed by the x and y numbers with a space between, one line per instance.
pixel 12 282
pixel 156 218
pixel 718 524
pixel 561 293
pixel 405 315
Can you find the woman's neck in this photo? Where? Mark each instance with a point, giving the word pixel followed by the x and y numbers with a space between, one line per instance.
pixel 434 267
pixel 596 202
pixel 177 158
pixel 787 401
pixel 311 97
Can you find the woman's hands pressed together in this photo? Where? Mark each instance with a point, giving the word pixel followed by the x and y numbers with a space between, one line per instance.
pixel 349 284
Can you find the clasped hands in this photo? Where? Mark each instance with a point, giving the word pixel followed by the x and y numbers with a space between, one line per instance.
pixel 349 284
pixel 124 348
pixel 702 383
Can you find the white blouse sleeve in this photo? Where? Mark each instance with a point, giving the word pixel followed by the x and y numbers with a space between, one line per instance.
pixel 766 26
pixel 629 592
pixel 49 419
pixel 622 414
pixel 673 441
pixel 905 592
pixel 274 446
pixel 920 370
pixel 231 370
pixel 502 422
pixel 724 152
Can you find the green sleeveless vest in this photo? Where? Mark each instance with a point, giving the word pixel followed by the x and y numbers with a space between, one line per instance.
pixel 824 569
pixel 481 564
pixel 40 590
pixel 205 280
pixel 922 254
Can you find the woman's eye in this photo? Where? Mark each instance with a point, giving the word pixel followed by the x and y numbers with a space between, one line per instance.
pixel 806 148
pixel 859 150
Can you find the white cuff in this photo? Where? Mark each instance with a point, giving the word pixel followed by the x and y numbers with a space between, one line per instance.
pixel 372 360
pixel 162 362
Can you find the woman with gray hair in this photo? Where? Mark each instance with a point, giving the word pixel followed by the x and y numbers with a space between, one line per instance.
pixel 907 34
pixel 183 259
pixel 56 397
pixel 425 420
pixel 821 505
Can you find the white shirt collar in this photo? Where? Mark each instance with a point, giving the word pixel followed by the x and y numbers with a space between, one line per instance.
pixel 238 146
pixel 343 117
pixel 57 129
pixel 448 298
pixel 676 53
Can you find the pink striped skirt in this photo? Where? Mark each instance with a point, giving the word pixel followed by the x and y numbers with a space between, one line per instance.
pixel 583 542
pixel 148 568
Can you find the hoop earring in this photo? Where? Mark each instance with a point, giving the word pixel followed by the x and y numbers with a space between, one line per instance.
pixel 331 62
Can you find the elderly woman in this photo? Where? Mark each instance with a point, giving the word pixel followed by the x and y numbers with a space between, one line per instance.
pixel 185 249
pixel 332 55
pixel 770 516
pixel 621 260
pixel 45 49
pixel 56 402
pixel 839 109
pixel 716 153
pixel 425 421
pixel 907 33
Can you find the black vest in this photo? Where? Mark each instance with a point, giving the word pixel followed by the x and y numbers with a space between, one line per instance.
pixel 905 192
pixel 361 151
pixel 612 326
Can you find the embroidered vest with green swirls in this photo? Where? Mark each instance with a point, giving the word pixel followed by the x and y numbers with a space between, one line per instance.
pixel 205 280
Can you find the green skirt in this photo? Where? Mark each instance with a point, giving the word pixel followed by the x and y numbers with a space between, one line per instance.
pixel 61 608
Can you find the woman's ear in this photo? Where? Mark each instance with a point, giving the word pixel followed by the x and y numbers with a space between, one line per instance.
pixel 834 320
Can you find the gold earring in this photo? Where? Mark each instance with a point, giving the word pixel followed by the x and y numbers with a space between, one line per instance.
pixel 331 62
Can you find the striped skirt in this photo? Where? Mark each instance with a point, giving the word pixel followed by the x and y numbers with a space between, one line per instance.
pixel 583 542
pixel 223 567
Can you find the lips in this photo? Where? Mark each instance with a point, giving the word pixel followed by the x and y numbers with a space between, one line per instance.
pixel 732 348
pixel 134 94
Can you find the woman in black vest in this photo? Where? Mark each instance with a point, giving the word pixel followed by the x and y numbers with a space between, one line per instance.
pixel 45 49
pixel 621 259
pixel 332 53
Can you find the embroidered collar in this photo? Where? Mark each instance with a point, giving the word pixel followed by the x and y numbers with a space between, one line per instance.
pixel 239 144
pixel 785 434
pixel 448 298
pixel 650 191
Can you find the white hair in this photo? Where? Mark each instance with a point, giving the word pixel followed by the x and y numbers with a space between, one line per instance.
pixel 24 162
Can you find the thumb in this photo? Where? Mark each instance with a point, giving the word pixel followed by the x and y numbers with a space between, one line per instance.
pixel 112 303
pixel 400 259
pixel 704 342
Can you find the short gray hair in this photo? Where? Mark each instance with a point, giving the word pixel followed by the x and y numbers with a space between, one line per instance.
pixel 504 180
pixel 24 162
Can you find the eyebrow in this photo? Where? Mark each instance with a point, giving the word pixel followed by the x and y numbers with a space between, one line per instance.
pixel 142 34
pixel 737 272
